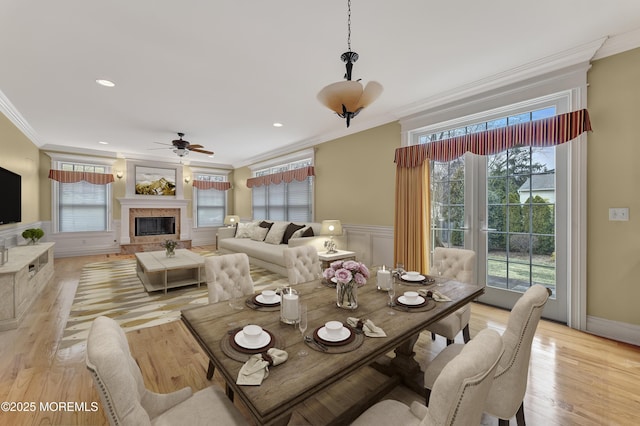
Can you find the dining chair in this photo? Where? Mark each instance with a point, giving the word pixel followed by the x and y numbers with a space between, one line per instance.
pixel 506 396
pixel 228 276
pixel 458 395
pixel 460 265
pixel 126 400
pixel 302 264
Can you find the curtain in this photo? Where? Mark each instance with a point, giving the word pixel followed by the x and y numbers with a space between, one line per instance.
pixel 412 217
pixel 73 177
pixel 277 178
pixel 219 186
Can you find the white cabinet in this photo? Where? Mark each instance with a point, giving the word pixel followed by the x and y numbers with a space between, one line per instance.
pixel 22 278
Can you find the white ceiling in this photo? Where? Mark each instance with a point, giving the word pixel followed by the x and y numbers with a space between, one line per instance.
pixel 224 71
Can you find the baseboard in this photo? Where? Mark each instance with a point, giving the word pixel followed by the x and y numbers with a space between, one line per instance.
pixel 620 331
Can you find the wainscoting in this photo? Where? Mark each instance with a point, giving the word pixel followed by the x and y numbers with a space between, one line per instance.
pixel 373 244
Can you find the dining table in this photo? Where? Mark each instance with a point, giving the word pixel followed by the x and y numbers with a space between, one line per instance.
pixel 305 376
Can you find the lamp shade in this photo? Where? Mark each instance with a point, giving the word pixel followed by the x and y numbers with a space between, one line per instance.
pixel 331 227
pixel 350 94
pixel 231 219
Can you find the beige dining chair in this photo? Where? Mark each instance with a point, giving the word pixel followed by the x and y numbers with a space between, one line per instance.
pixel 460 265
pixel 228 276
pixel 506 397
pixel 125 399
pixel 302 264
pixel 458 395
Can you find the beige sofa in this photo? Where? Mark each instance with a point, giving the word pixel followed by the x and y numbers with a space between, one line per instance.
pixel 265 248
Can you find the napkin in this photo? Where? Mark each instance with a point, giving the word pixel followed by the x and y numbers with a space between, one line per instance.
pixel 435 295
pixel 256 369
pixel 369 328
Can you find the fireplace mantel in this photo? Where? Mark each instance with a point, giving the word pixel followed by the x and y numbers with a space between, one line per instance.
pixel 151 202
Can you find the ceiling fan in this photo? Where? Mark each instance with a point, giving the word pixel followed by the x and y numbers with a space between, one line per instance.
pixel 182 147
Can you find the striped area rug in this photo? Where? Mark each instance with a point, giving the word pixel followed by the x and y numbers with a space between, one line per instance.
pixel 113 289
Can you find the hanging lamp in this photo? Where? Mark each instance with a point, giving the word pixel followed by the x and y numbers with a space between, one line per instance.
pixel 347 98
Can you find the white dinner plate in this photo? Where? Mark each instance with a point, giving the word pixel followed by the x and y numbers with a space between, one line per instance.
pixel 260 299
pixel 263 340
pixel 344 334
pixel 404 301
pixel 407 277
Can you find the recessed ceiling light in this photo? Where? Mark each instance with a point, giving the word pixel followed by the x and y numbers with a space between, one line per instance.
pixel 103 143
pixel 105 83
pixel 277 124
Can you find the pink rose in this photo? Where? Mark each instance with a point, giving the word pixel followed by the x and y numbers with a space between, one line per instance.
pixel 328 273
pixel 336 265
pixel 351 265
pixel 364 270
pixel 343 275
pixel 360 279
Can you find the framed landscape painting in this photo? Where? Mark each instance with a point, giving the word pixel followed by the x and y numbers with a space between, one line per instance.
pixel 155 181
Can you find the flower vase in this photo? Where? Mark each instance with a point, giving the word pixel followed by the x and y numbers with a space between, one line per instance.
pixel 347 295
pixel 171 251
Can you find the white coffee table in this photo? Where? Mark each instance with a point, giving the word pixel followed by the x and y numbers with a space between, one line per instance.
pixel 159 272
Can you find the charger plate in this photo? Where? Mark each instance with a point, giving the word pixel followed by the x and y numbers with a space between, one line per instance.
pixel 252 303
pixel 238 353
pixel 355 341
pixel 428 305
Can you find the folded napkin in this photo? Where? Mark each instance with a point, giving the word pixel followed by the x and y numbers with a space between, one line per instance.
pixel 369 328
pixel 256 369
pixel 435 295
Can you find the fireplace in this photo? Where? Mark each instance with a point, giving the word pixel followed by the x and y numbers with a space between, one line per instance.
pixel 146 226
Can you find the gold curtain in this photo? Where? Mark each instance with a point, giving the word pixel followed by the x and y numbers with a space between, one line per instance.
pixel 412 217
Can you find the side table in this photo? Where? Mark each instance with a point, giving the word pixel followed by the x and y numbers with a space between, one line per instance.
pixel 327 258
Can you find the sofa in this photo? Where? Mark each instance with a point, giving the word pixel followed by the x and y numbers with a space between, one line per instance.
pixel 264 241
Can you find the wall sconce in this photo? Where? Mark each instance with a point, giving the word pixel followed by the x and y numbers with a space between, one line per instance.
pixel 187 179
pixel 119 174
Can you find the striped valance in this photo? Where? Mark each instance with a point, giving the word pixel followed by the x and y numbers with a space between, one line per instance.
pixel 73 177
pixel 276 178
pixel 204 184
pixel 545 132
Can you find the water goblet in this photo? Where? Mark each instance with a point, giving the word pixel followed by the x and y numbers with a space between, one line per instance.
pixel 302 326
pixel 391 291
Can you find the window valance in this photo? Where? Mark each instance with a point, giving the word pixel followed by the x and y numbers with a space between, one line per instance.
pixel 277 178
pixel 75 176
pixel 219 186
pixel 545 132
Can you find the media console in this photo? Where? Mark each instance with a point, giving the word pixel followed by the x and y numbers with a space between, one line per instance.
pixel 22 278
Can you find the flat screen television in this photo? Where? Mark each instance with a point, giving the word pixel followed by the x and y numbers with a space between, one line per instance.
pixel 10 197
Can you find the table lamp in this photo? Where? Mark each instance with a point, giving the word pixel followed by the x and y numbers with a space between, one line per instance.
pixel 331 227
pixel 231 220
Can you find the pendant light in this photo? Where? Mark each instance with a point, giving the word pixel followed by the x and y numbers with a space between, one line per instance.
pixel 347 98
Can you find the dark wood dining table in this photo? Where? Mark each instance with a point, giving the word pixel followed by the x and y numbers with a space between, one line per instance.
pixel 302 377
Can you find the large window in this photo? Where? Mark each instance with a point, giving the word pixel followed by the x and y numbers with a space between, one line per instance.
pixel 81 206
pixel 210 205
pixel 284 201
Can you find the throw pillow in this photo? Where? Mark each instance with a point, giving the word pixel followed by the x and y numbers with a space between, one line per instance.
pixel 265 224
pixel 276 233
pixel 308 232
pixel 291 228
pixel 299 232
pixel 258 233
pixel 244 230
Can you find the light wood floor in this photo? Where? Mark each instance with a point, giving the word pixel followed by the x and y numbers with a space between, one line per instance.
pixel 575 378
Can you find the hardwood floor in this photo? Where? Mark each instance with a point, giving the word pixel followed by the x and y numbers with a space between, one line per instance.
pixel 575 378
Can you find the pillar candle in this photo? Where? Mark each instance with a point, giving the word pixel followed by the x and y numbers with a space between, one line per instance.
pixel 290 307
pixel 384 279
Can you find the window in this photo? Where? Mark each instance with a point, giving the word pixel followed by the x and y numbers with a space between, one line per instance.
pixel 284 201
pixel 81 206
pixel 210 205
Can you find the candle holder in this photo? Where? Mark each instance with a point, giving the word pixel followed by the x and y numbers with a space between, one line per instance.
pixel 289 312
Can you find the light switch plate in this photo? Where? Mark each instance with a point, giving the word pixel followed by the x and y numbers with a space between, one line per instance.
pixel 621 213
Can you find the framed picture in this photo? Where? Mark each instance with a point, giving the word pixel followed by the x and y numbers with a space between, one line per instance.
pixel 155 181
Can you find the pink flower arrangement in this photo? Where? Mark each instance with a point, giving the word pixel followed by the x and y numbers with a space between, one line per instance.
pixel 347 271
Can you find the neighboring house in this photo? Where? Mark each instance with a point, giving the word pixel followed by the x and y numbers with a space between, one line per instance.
pixel 542 185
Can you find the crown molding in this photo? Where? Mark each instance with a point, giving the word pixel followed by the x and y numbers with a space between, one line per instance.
pixel 10 111
pixel 619 43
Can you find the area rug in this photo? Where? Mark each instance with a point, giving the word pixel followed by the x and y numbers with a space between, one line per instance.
pixel 113 289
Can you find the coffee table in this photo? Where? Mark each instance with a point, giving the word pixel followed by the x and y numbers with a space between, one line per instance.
pixel 159 272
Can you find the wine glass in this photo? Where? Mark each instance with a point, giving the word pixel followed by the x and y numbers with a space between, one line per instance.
pixel 438 269
pixel 391 291
pixel 302 326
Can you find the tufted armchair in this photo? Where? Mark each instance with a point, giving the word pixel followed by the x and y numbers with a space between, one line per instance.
pixel 228 276
pixel 458 395
pixel 459 265
pixel 302 264
pixel 124 397
pixel 505 398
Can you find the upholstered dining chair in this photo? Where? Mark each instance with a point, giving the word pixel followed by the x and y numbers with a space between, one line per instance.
pixel 302 264
pixel 460 265
pixel 506 396
pixel 458 394
pixel 228 276
pixel 124 397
